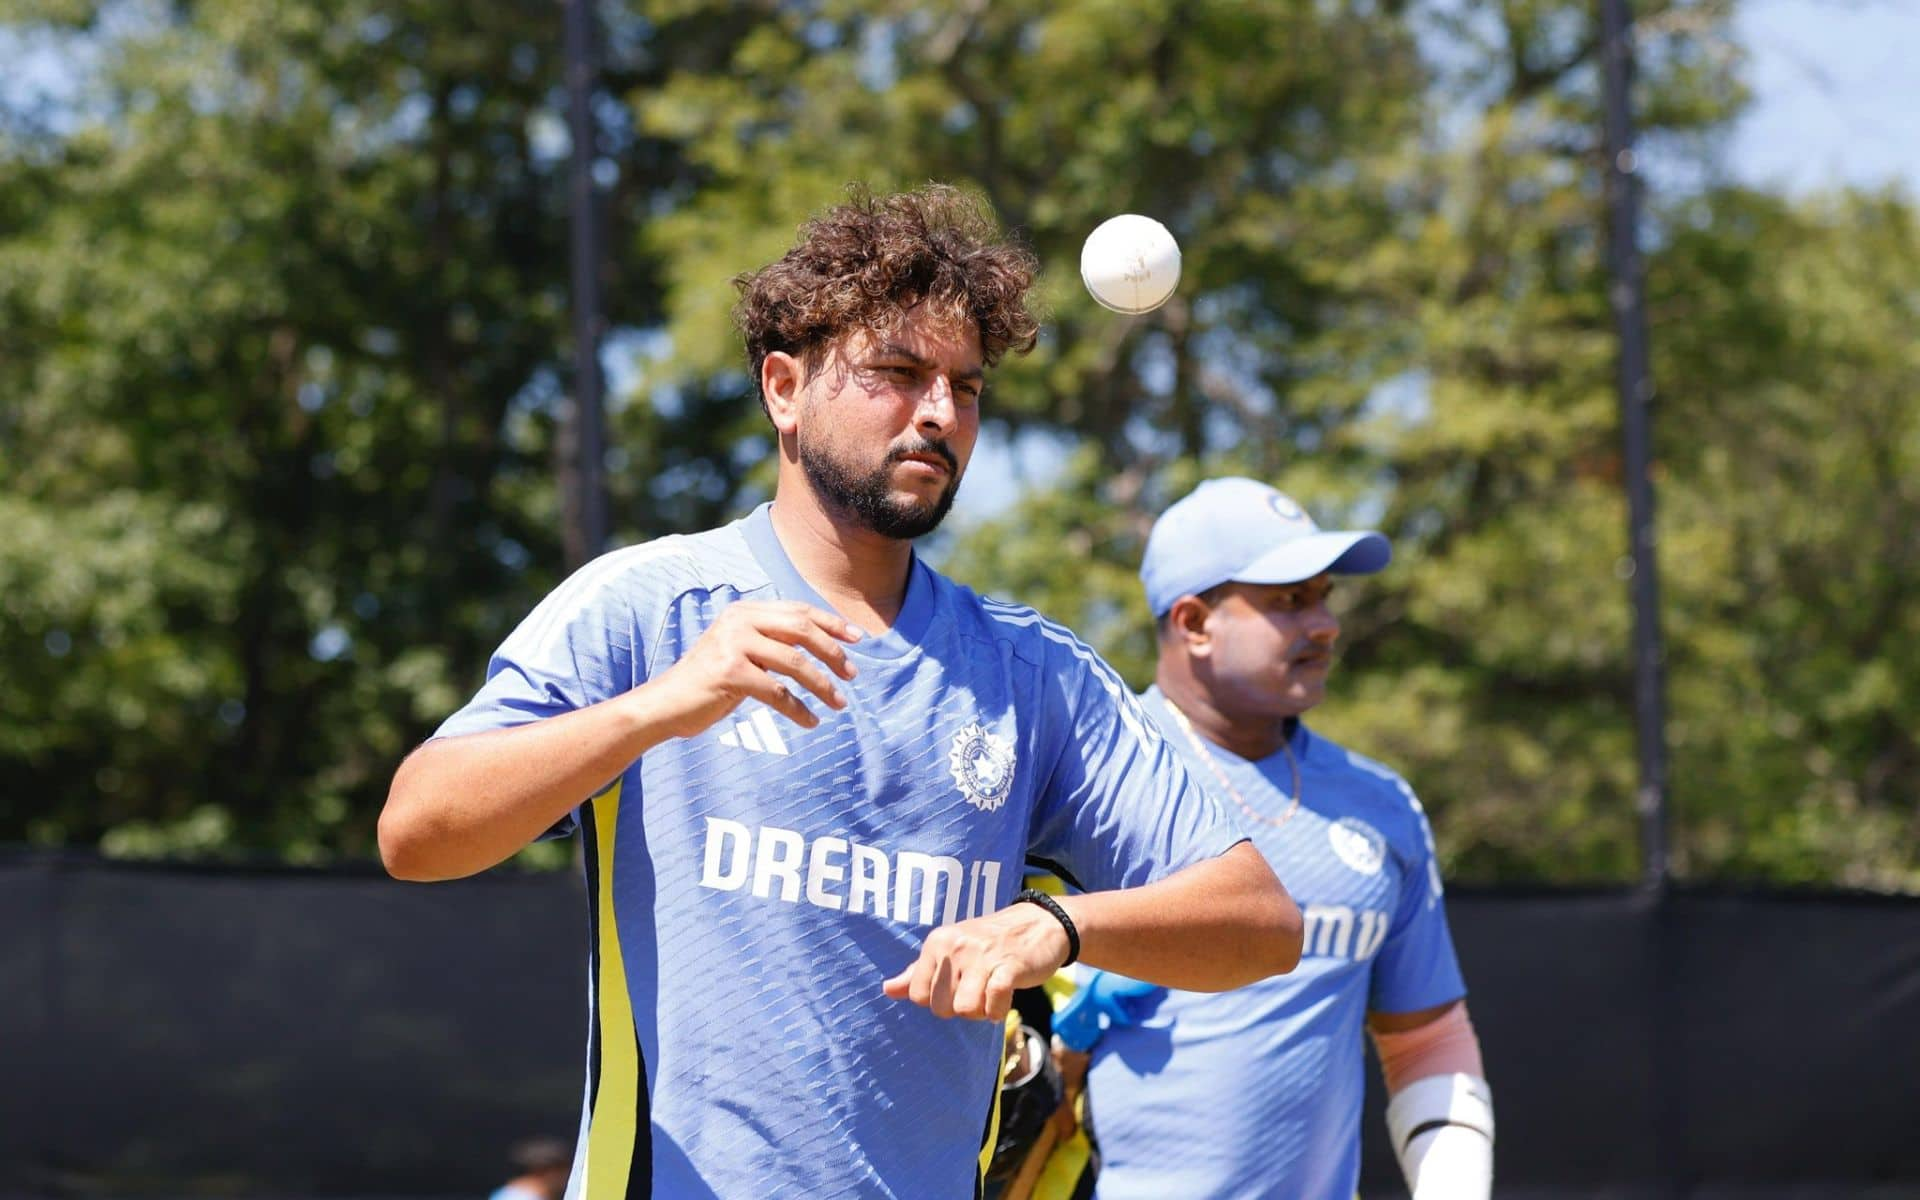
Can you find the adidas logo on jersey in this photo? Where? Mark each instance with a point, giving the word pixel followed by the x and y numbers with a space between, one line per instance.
pixel 757 733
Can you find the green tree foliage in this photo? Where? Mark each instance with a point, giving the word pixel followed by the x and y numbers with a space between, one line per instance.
pixel 1494 664
pixel 1242 125
pixel 1792 477
pixel 285 311
pixel 283 332
pixel 1491 664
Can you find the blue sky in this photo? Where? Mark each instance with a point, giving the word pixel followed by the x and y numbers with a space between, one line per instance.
pixel 1836 94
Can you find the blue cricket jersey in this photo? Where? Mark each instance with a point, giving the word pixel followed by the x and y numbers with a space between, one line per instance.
pixel 1257 1092
pixel 752 886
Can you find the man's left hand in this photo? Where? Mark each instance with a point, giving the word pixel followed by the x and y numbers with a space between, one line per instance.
pixel 970 969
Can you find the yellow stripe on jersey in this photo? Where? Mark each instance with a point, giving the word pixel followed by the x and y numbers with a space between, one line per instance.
pixel 616 1102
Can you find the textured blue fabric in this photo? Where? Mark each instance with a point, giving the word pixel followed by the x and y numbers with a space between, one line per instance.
pixel 767 878
pixel 1256 1092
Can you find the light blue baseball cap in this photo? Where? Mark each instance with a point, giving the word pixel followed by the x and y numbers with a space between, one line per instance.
pixel 1242 531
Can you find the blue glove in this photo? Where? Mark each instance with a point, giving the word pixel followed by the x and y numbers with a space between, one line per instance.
pixel 1104 1001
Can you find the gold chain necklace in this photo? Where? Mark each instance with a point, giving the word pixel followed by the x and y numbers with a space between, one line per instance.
pixel 1206 755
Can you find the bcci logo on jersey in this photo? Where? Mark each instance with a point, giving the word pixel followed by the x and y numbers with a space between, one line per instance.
pixel 1358 844
pixel 982 765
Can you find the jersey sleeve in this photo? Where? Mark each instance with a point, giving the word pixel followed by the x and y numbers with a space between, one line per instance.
pixel 1118 809
pixel 581 645
pixel 1416 967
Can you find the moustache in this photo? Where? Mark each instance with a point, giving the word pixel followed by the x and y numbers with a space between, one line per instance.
pixel 938 449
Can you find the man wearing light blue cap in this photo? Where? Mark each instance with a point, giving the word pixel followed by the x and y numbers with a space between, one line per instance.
pixel 1257 1092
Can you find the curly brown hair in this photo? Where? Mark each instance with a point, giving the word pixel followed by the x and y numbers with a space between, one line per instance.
pixel 865 263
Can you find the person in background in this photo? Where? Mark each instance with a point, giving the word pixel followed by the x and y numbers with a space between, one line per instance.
pixel 540 1167
pixel 1257 1092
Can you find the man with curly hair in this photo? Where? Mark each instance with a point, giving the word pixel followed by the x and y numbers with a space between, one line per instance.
pixel 808 770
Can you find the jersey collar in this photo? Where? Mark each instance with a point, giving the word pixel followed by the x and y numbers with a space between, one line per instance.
pixel 916 608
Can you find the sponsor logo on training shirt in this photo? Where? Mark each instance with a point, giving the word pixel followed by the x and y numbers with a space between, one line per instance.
pixel 786 867
pixel 1358 844
pixel 982 766
pixel 1337 931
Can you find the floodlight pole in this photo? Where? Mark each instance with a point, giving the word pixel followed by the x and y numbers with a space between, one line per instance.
pixel 1627 293
pixel 581 445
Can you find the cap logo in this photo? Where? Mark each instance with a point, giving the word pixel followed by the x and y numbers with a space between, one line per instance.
pixel 1286 508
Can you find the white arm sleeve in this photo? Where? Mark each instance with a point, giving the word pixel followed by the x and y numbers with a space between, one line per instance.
pixel 1442 1130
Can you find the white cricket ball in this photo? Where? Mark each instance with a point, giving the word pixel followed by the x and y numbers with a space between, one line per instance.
pixel 1130 263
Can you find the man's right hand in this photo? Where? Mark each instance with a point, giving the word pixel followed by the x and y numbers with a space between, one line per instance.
pixel 750 653
pixel 461 804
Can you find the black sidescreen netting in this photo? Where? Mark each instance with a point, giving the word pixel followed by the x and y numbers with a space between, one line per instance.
pixel 284 1033
pixel 1714 1044
pixel 168 1031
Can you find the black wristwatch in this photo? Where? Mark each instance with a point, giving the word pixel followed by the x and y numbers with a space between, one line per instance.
pixel 1035 896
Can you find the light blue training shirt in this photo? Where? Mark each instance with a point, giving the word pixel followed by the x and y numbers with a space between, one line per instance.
pixel 1257 1092
pixel 752 886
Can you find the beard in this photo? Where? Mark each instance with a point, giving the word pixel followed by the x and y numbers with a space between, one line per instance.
pixel 868 498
